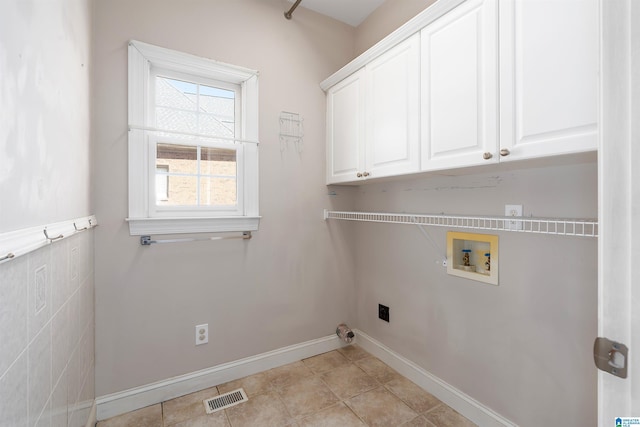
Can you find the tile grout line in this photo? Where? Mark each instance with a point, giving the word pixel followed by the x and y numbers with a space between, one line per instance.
pixel 433 409
pixel 226 417
pixel 319 376
pixel 344 401
pixel 385 387
pixel 277 393
pixel 380 383
pixel 354 413
pixel 340 400
pixel 224 411
pixel 407 403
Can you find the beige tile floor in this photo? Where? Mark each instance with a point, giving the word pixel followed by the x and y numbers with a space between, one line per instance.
pixel 341 388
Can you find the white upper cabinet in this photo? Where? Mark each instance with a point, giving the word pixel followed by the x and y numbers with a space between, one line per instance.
pixel 345 129
pixel 373 118
pixel 468 83
pixel 549 83
pixel 393 111
pixel 460 87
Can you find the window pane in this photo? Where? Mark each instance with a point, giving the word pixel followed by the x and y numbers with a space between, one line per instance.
pixel 172 119
pixel 218 161
pixel 219 188
pixel 218 126
pixel 217 111
pixel 182 191
pixel 176 94
pixel 182 159
pixel 194 108
pixel 216 92
pixel 218 191
pixel 177 171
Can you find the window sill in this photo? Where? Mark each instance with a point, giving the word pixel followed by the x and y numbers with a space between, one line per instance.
pixel 145 226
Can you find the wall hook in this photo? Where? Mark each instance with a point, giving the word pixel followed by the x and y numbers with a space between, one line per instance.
pixel 51 239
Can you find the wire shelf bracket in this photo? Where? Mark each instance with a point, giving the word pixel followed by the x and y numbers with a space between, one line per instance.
pixel 549 226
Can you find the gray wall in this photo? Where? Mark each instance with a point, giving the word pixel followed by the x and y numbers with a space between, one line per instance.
pixel 523 348
pixel 46 355
pixel 293 281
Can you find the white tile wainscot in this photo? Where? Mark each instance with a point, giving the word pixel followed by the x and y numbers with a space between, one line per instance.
pixel 47 355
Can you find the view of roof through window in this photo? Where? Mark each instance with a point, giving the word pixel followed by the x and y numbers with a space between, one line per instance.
pixel 194 108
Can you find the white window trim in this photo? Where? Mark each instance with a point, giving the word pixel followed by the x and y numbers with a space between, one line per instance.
pixel 142 58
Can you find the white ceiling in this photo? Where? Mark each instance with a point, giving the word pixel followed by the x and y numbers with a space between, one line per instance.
pixel 352 12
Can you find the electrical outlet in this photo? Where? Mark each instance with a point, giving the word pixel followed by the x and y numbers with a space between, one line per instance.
pixel 383 312
pixel 513 210
pixel 202 334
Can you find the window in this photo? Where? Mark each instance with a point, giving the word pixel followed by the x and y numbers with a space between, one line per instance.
pixel 193 154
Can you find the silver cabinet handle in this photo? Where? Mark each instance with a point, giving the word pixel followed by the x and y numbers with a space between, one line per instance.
pixel 487 155
pixel 366 174
pixel 359 175
pixel 505 152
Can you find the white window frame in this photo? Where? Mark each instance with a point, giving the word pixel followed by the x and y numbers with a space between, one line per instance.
pixel 143 217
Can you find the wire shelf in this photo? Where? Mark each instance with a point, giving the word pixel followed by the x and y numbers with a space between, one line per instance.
pixel 553 226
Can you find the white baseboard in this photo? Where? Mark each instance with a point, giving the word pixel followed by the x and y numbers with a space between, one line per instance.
pixel 150 394
pixel 464 404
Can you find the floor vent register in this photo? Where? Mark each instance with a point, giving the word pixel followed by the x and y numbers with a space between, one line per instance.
pixel 225 401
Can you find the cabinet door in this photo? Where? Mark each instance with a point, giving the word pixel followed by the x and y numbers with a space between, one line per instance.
pixel 548 77
pixel 345 129
pixel 460 87
pixel 393 111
